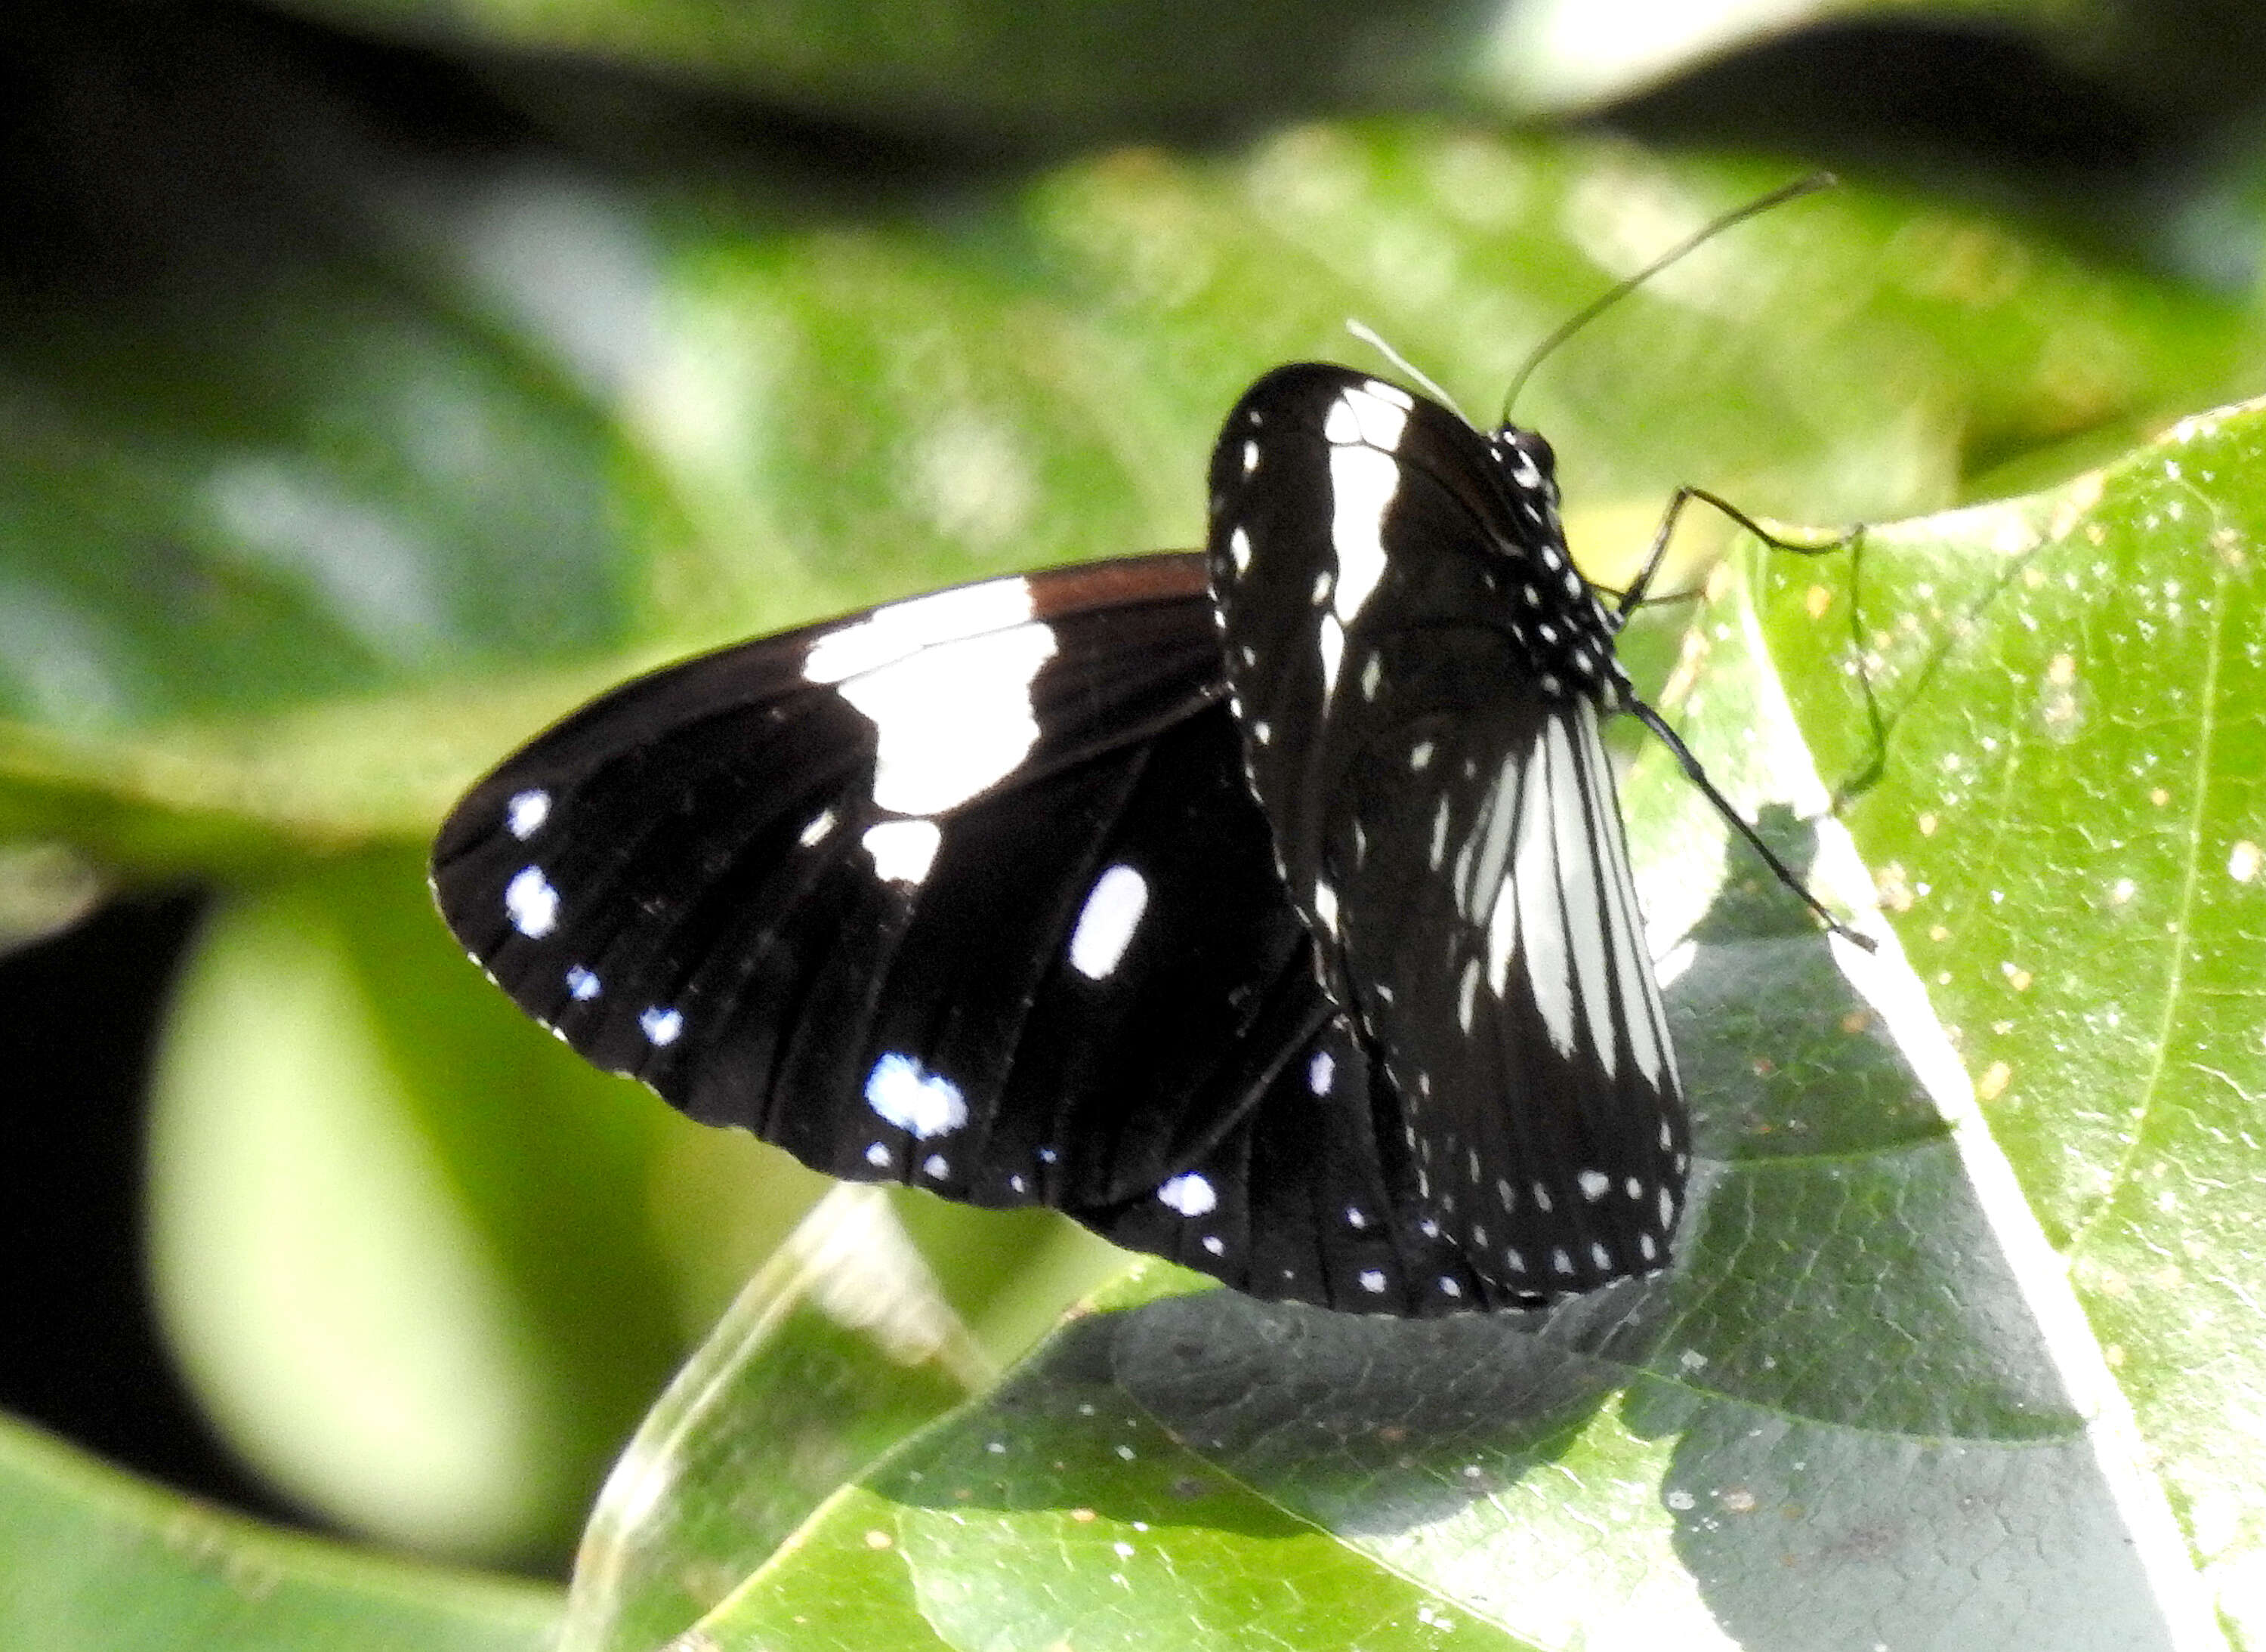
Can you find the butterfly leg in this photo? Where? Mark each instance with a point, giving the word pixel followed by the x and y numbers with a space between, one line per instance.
pixel 1685 495
pixel 1698 775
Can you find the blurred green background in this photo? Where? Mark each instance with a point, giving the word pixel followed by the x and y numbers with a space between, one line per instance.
pixel 377 380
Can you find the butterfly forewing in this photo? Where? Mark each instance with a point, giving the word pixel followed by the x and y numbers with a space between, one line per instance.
pixel 1075 981
pixel 1418 669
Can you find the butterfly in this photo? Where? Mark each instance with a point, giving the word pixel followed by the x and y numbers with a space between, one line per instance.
pixel 1266 908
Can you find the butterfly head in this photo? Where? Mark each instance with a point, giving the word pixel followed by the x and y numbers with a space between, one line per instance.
pixel 1527 459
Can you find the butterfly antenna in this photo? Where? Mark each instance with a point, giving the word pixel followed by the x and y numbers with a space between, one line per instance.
pixel 1369 335
pixel 1621 289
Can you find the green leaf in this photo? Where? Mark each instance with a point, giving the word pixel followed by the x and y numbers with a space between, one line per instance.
pixel 842 1346
pixel 2066 826
pixel 94 1561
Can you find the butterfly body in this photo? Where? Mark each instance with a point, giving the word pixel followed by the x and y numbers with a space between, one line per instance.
pixel 1266 909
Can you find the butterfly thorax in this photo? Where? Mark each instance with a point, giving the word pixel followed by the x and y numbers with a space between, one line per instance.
pixel 1553 615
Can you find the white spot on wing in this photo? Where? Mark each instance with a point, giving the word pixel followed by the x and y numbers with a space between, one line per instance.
pixel 1594 1183
pixel 919 1102
pixel 902 850
pixel 900 630
pixel 1534 870
pixel 951 718
pixel 661 1024
pixel 526 812
pixel 878 1156
pixel 1238 551
pixel 1320 1072
pixel 1372 1281
pixel 1106 923
pixel 582 984
pixel 1365 430
pixel 1188 1193
pixel 1465 991
pixel 1580 892
pixel 1330 639
pixel 813 834
pixel 531 904
pixel 1639 994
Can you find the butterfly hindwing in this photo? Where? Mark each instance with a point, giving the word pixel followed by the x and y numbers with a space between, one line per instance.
pixel 1419 669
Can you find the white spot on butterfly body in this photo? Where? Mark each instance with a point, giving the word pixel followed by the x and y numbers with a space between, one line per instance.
pixel 919 1102
pixel 581 985
pixel 526 812
pixel 1439 834
pixel 1594 1183
pixel 902 850
pixel 1188 1193
pixel 531 904
pixel 1238 551
pixel 815 833
pixel 661 1025
pixel 1250 458
pixel 1372 674
pixel 1320 1072
pixel 1464 991
pixel 1372 1281
pixel 1326 907
pixel 1106 923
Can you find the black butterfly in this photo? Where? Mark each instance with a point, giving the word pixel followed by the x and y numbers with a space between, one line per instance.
pixel 1267 910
